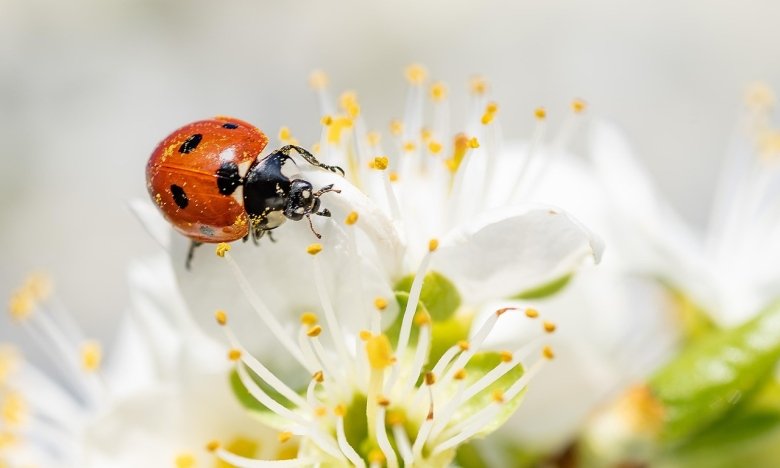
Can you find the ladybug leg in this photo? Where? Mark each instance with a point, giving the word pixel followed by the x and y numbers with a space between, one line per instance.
pixel 271 236
pixel 311 226
pixel 325 212
pixel 305 154
pixel 191 253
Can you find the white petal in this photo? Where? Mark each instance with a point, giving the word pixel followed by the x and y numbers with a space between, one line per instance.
pixel 281 273
pixel 507 252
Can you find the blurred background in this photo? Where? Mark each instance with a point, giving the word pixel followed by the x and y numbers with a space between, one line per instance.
pixel 88 88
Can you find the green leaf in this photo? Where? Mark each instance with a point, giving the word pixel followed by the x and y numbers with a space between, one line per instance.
pixel 710 377
pixel 439 294
pixel 546 290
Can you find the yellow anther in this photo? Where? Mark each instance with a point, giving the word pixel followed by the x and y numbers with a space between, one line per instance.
pixel 285 134
pixel 365 335
pixel 318 376
pixel 184 460
pixel 222 249
pixel 490 113
pixel 506 356
pixel 393 176
pixel 320 411
pixel 380 303
pixel 435 147
pixel 353 110
pixel 549 327
pixel 326 120
pixel 352 218
pixel 504 310
pixel 21 305
pixel 438 91
pixel 39 286
pixel 9 360
pixel 314 331
pixel 531 313
pixel 212 446
pixel 382 400
pixel 409 146
pixel 422 318
pixel 221 317
pixel 433 244
pixel 7 439
pixel 348 99
pixel 498 396
pixel 578 106
pixel 379 163
pixel 479 85
pixel 309 318
pixel 426 134
pixel 540 113
pixel 91 356
pixel 376 456
pixel 460 374
pixel 415 74
pixel 284 436
pixel 430 378
pixel 395 417
pixel 13 409
pixel 547 352
pixel 473 143
pixel 340 410
pixel 234 354
pixel 379 351
pixel 314 249
pixel 396 127
pixel 464 345
pixel 336 129
pixel 373 138
pixel 759 96
pixel 318 80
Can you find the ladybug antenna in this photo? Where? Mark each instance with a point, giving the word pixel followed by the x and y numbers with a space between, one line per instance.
pixel 311 226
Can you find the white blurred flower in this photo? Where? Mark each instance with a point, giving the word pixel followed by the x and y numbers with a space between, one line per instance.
pixel 730 271
pixel 161 396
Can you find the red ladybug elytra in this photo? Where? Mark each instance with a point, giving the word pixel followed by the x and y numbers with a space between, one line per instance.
pixel 209 182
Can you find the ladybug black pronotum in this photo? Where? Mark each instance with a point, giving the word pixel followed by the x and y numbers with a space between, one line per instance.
pixel 209 182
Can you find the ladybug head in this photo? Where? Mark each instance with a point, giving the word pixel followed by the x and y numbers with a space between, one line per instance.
pixel 301 200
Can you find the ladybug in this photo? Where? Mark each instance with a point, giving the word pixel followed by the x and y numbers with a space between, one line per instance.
pixel 209 181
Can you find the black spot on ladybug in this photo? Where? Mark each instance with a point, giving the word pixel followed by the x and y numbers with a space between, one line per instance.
pixel 179 196
pixel 228 178
pixel 229 126
pixel 190 143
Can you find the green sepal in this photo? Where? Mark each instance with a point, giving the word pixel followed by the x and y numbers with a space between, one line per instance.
pixel 545 290
pixel 254 407
pixel 714 374
pixel 694 320
pixel 479 365
pixel 439 294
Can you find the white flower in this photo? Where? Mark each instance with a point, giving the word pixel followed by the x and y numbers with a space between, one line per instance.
pixel 491 249
pixel 162 393
pixel 731 269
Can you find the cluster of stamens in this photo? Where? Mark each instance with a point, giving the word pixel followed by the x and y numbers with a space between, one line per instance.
pixel 413 410
pixel 56 332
